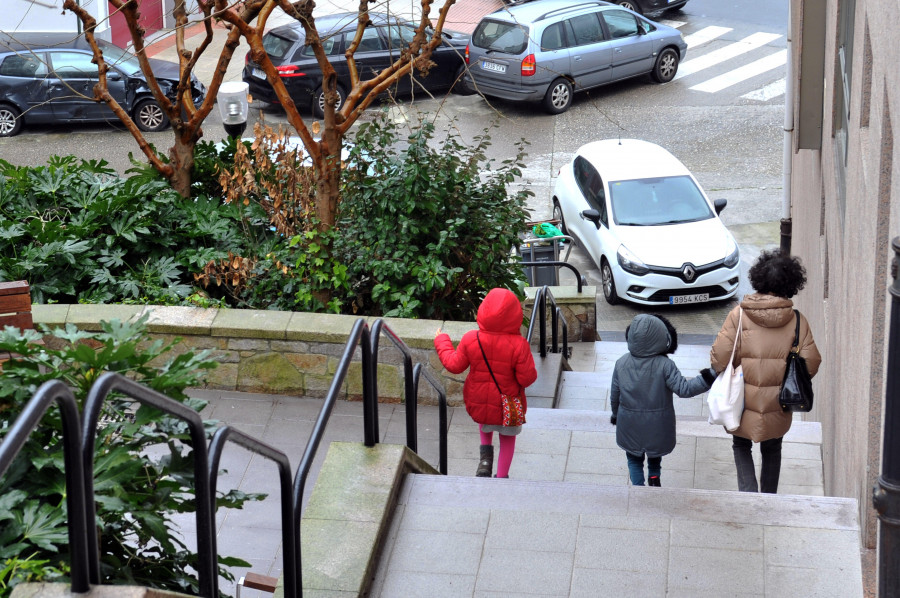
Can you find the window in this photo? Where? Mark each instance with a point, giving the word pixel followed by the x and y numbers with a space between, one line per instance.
pixel 657 201
pixel 73 65
pixel 554 37
pixel 591 185
pixel 620 24
pixel 586 29
pixel 400 36
pixel 275 46
pixel 371 40
pixel 500 36
pixel 22 65
pixel 842 89
pixel 329 46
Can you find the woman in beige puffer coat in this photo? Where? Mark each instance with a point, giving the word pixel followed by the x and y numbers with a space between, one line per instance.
pixel 766 336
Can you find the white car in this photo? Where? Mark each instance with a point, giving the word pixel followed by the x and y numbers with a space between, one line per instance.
pixel 647 224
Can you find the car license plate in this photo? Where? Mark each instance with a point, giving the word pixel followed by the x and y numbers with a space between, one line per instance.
pixel 493 66
pixel 679 299
pixel 259 74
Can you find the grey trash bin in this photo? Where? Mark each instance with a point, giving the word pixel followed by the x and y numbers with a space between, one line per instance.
pixel 539 276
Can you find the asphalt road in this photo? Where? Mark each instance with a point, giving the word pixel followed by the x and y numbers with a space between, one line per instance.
pixel 722 116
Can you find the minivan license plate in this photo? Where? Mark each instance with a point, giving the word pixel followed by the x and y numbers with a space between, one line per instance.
pixel 259 74
pixel 493 66
pixel 679 299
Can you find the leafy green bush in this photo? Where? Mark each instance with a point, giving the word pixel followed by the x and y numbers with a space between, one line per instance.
pixel 427 230
pixel 142 463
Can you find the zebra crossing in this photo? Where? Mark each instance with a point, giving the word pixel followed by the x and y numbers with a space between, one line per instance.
pixel 699 70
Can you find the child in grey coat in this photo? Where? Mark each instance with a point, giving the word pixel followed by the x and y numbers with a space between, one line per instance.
pixel 643 383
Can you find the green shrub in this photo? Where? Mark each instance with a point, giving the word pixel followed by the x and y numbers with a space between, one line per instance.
pixel 142 462
pixel 427 230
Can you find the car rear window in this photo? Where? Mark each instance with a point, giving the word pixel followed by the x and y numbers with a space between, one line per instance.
pixel 275 46
pixel 500 36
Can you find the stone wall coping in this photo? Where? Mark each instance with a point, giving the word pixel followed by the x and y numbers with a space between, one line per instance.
pixel 564 294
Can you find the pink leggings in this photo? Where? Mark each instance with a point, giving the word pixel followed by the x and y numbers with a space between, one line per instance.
pixel 507 449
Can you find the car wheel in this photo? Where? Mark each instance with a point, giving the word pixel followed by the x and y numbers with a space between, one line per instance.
pixel 609 284
pixel 10 121
pixel 630 5
pixel 149 116
pixel 558 215
pixel 558 97
pixel 460 87
pixel 318 103
pixel 666 66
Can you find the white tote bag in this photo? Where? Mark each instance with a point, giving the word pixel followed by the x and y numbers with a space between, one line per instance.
pixel 726 396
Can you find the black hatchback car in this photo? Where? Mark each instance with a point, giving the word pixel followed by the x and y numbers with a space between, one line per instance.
pixel 49 78
pixel 381 44
pixel 644 6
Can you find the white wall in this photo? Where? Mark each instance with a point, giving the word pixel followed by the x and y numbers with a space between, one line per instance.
pixel 47 15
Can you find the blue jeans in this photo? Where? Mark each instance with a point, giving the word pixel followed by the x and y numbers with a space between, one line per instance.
pixel 636 467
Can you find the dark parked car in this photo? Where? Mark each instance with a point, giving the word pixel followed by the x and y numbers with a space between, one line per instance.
pixel 49 78
pixel 381 45
pixel 644 6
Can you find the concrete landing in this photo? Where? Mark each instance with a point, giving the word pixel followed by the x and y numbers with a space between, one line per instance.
pixel 464 536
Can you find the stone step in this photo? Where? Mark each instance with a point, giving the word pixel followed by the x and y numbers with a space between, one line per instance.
pixel 580 446
pixel 465 536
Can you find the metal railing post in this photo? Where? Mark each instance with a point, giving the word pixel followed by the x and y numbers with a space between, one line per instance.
pixel 543 321
pixel 886 499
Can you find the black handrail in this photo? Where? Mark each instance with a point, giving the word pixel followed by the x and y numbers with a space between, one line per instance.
pixel 84 562
pixel 442 413
pixel 288 529
pixel 540 308
pixel 79 451
pixel 579 277
pixel 411 390
pixel 359 335
pixel 113 382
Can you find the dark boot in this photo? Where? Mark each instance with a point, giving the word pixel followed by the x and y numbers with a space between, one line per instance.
pixel 654 481
pixel 486 463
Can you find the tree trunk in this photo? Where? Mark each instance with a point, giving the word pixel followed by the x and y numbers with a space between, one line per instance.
pixel 181 158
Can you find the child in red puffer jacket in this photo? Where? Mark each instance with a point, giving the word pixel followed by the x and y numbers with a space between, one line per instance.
pixel 500 340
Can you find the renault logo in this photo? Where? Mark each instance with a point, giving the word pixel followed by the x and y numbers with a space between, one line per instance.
pixel 688 272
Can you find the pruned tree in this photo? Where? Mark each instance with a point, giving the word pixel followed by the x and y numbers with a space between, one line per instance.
pixel 248 20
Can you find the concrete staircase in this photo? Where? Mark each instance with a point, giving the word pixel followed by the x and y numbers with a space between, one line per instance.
pixel 568 523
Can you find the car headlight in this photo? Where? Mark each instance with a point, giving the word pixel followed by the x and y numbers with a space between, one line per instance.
pixel 630 263
pixel 733 258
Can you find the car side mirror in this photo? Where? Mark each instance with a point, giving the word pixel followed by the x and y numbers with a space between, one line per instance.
pixel 720 204
pixel 593 216
pixel 114 75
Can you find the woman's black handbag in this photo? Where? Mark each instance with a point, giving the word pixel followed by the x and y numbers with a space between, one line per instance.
pixel 796 388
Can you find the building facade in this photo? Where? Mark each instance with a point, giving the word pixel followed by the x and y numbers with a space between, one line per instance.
pixel 844 92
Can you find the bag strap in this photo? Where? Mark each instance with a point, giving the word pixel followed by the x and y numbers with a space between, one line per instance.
pixel 737 335
pixel 795 348
pixel 487 363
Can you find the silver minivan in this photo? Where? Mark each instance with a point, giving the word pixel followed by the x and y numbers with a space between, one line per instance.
pixel 546 49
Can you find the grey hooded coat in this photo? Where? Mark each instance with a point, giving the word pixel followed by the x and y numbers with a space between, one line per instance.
pixel 643 382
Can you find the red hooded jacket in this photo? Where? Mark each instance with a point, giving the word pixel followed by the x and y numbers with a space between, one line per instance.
pixel 499 322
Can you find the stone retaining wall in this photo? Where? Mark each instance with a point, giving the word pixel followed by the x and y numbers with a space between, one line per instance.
pixel 297 353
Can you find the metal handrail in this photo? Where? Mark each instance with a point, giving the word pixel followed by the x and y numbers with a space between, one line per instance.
pixel 113 382
pixel 84 562
pixel 411 390
pixel 359 336
pixel 540 308
pixel 79 438
pixel 581 281
pixel 288 529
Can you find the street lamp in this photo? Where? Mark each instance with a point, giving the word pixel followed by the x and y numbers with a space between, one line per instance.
pixel 234 107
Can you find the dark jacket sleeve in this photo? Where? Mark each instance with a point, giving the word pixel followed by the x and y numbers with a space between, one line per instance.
pixel 681 386
pixel 614 393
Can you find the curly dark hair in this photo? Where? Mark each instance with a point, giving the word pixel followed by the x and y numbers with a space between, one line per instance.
pixel 779 274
